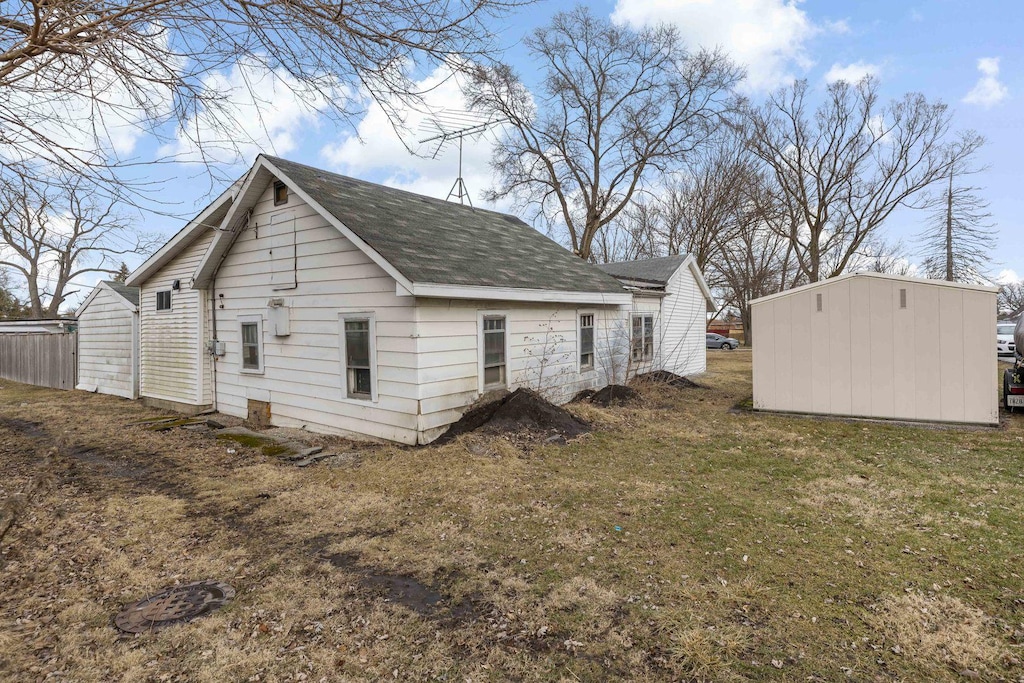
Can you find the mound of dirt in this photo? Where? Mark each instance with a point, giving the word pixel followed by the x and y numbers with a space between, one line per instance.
pixel 669 378
pixel 583 396
pixel 523 414
pixel 615 395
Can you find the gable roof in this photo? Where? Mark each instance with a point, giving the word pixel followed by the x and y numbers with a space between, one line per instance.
pixel 127 296
pixel 430 246
pixel 870 274
pixel 656 271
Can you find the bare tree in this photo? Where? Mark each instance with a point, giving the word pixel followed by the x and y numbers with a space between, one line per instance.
pixel 958 240
pixel 617 106
pixel 75 74
pixel 845 167
pixel 1010 301
pixel 52 234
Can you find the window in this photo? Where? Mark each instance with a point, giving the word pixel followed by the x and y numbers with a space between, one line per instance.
pixel 643 338
pixel 818 302
pixel 359 356
pixel 903 298
pixel 280 193
pixel 251 335
pixel 163 301
pixel 587 341
pixel 494 361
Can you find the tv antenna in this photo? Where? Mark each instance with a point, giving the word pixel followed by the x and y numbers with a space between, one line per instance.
pixel 449 126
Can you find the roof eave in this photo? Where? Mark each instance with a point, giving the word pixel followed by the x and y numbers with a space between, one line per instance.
pixel 446 291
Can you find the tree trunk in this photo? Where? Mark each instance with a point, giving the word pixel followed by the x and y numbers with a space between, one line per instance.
pixel 949 229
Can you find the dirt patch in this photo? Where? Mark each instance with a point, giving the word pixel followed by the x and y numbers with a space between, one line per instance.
pixel 523 414
pixel 615 395
pixel 24 427
pixel 669 378
pixel 583 396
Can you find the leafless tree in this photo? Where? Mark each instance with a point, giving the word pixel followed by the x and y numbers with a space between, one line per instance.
pixel 845 167
pixel 1011 299
pixel 958 240
pixel 617 106
pixel 52 234
pixel 119 66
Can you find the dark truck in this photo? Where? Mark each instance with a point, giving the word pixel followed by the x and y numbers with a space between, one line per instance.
pixel 1013 379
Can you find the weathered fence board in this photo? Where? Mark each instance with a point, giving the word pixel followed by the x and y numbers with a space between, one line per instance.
pixel 42 359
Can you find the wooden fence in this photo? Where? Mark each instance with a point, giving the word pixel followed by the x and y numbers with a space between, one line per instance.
pixel 40 358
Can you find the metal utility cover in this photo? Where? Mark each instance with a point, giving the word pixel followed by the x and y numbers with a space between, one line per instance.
pixel 172 605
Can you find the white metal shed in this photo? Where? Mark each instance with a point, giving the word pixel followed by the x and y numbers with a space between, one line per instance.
pixel 108 340
pixel 881 346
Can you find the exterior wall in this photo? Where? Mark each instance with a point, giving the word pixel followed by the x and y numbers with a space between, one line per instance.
pixel 171 353
pixel 302 373
pixel 684 324
pixel 107 346
pixel 863 355
pixel 543 353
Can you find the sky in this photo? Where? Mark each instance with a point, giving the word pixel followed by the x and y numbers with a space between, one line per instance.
pixel 967 54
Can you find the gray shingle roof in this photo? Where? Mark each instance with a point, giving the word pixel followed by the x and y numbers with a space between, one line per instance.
pixel 434 241
pixel 653 270
pixel 130 294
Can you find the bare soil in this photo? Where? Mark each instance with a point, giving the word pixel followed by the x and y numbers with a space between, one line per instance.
pixel 615 395
pixel 523 416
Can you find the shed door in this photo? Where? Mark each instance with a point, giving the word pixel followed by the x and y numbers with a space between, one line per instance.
pixel 282 250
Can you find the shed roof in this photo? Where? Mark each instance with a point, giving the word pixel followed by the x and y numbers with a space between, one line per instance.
pixel 129 294
pixel 870 274
pixel 434 241
pixel 653 270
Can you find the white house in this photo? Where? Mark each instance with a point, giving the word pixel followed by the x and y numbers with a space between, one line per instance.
pixel 348 307
pixel 874 345
pixel 674 299
pixel 108 340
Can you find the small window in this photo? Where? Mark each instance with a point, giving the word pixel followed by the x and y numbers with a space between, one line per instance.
pixel 280 193
pixel 494 351
pixel 358 371
pixel 251 334
pixel 642 342
pixel 818 296
pixel 163 301
pixel 587 341
pixel 903 298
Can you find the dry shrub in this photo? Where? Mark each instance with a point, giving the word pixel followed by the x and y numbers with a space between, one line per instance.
pixel 936 631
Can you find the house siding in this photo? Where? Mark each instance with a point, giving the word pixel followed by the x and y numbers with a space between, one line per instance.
pixel 684 323
pixel 107 336
pixel 170 351
pixel 302 372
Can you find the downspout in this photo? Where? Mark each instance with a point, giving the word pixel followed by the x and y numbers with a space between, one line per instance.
pixel 213 312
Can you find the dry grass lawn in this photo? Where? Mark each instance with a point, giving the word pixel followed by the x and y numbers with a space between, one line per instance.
pixel 683 540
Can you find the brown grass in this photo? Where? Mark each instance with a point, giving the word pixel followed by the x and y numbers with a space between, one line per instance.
pixel 682 540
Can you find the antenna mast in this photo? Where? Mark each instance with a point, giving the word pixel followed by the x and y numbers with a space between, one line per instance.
pixel 453 125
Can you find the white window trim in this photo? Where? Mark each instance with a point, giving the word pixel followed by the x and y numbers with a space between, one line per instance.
pixel 248 320
pixel 579 342
pixel 372 318
pixel 480 350
pixel 156 303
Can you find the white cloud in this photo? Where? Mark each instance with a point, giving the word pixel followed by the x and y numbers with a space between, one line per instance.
pixel 768 37
pixel 851 73
pixel 1007 276
pixel 378 152
pixel 259 111
pixel 988 91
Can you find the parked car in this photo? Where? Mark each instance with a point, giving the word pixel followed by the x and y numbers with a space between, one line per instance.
pixel 1004 339
pixel 717 341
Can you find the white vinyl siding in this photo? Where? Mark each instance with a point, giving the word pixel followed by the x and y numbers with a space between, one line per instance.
pixel 683 325
pixel 172 361
pixel 303 376
pixel 107 340
pixel 866 355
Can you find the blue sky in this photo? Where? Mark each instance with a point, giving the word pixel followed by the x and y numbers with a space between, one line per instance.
pixel 967 54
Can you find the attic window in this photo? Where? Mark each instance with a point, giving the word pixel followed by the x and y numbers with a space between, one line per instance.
pixel 280 193
pixel 819 302
pixel 163 301
pixel 903 298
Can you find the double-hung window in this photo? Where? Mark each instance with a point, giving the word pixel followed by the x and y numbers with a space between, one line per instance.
pixel 251 334
pixel 642 340
pixel 163 301
pixel 494 360
pixel 358 358
pixel 586 342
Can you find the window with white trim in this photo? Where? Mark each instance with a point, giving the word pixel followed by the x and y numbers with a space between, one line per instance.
pixel 250 332
pixel 494 361
pixel 163 301
pixel 359 355
pixel 642 340
pixel 586 341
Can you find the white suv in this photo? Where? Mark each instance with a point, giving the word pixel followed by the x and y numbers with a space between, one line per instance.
pixel 1004 339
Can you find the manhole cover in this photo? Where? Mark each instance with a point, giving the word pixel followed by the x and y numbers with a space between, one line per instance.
pixel 180 603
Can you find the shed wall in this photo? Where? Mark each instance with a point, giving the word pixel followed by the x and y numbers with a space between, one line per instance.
pixel 107 340
pixel 864 355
